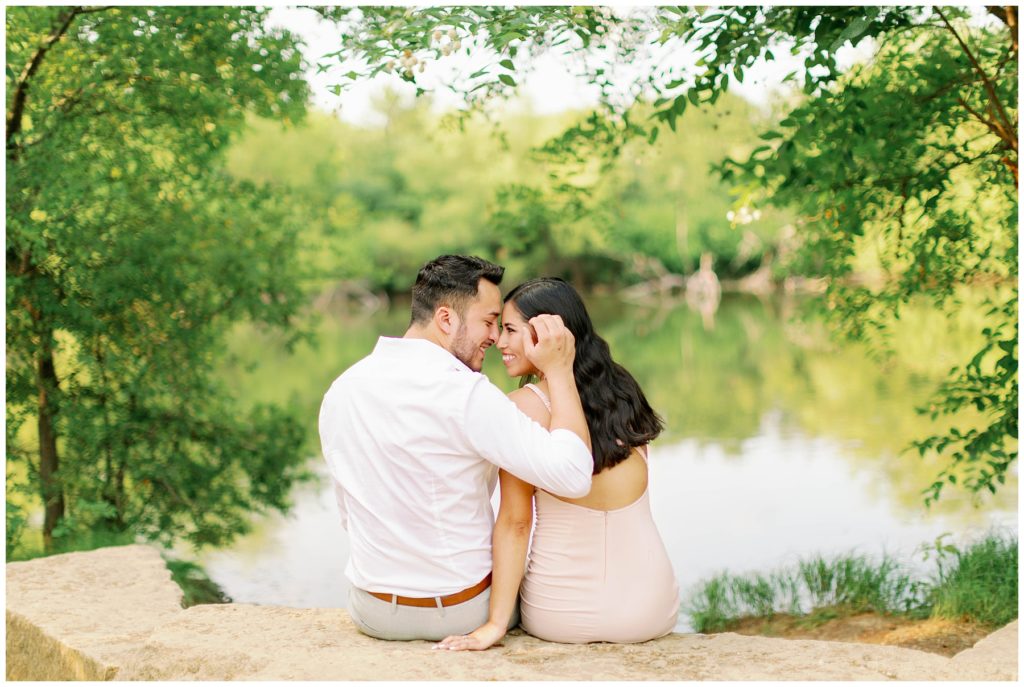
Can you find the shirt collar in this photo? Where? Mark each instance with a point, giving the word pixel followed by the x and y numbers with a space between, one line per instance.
pixel 427 351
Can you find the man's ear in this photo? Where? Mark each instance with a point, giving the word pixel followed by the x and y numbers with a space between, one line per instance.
pixel 446 319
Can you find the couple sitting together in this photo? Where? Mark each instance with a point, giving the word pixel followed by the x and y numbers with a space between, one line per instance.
pixel 415 438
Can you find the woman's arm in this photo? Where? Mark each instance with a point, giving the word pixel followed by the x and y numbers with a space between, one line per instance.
pixel 509 543
pixel 508 547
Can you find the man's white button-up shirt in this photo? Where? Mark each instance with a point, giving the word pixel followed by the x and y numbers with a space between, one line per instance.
pixel 413 439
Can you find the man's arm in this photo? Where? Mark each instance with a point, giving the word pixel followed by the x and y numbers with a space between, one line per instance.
pixel 557 461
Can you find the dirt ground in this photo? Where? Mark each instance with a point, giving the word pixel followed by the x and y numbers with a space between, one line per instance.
pixel 934 635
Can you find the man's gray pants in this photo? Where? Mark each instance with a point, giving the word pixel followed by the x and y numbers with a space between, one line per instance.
pixel 388 620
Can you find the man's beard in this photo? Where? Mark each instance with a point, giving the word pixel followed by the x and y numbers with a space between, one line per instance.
pixel 464 349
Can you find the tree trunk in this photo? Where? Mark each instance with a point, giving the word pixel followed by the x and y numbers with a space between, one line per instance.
pixel 51 489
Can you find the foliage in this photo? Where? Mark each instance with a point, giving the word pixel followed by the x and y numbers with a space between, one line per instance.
pixel 925 194
pixel 196 586
pixel 990 385
pixel 129 252
pixel 15 522
pixel 376 199
pixel 931 192
pixel 78 540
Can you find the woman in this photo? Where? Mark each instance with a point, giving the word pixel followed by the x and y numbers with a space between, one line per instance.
pixel 598 569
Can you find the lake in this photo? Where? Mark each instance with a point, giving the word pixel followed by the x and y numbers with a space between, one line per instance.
pixel 780 442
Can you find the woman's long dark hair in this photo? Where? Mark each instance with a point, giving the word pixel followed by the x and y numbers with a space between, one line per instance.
pixel 618 414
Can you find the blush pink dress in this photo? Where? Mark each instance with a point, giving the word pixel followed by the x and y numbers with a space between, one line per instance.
pixel 597 576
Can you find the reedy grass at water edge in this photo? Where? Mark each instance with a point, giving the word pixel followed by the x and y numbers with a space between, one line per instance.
pixel 978 584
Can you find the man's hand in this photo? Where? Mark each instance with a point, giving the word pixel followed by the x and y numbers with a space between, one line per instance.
pixel 478 640
pixel 555 348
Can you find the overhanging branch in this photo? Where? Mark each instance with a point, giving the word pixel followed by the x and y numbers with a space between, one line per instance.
pixel 21 84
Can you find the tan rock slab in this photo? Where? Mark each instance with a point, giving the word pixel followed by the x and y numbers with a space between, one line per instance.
pixel 77 615
pixel 989 659
pixel 272 643
pixel 115 614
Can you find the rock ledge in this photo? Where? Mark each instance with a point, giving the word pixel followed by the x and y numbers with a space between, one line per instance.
pixel 115 614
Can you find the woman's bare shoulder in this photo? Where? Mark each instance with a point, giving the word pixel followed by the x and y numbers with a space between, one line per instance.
pixel 530 403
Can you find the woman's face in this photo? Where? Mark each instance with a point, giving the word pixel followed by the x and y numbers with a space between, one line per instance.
pixel 512 342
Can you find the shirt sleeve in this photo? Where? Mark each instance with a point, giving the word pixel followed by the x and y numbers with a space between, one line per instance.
pixel 330 456
pixel 498 431
pixel 339 496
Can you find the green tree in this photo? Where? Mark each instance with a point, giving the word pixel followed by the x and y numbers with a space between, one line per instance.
pixel 910 159
pixel 130 252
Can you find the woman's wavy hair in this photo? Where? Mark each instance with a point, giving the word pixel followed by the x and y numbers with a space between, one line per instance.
pixel 618 414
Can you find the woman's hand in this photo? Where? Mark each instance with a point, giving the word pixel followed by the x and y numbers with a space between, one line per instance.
pixel 478 640
pixel 555 346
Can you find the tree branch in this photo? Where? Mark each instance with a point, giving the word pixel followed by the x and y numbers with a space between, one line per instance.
pixel 21 84
pixel 993 126
pixel 1007 125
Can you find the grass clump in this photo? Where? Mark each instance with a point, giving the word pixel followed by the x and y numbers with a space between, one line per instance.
pixel 858 584
pixel 853 583
pixel 195 584
pixel 978 584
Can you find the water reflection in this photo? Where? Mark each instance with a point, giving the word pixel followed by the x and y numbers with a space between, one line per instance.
pixel 780 443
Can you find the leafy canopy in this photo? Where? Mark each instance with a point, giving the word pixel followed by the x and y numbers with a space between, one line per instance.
pixel 130 252
pixel 907 163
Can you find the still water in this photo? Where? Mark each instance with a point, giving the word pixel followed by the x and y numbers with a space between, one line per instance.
pixel 780 443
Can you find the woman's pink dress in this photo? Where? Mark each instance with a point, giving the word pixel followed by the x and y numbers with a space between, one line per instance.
pixel 597 576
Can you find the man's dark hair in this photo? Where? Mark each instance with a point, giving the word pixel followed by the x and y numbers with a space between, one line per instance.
pixel 450 280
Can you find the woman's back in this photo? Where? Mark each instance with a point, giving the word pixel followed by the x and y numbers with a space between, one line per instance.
pixel 598 568
pixel 617 486
pixel 614 487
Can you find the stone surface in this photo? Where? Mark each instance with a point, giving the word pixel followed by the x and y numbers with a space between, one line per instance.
pixel 115 614
pixel 988 659
pixel 78 615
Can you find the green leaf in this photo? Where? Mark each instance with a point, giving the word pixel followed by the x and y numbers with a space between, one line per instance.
pixel 507 80
pixel 508 64
pixel 857 27
pixel 679 106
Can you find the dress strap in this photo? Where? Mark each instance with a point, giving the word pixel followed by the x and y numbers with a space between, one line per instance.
pixel 543 397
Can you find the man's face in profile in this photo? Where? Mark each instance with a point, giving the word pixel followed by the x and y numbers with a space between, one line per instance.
pixel 478 326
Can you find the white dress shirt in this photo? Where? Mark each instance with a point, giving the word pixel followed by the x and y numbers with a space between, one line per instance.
pixel 413 439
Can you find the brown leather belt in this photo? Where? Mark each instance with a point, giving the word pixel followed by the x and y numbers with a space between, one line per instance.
pixel 431 601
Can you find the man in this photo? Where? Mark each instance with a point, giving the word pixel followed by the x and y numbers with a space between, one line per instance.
pixel 413 435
